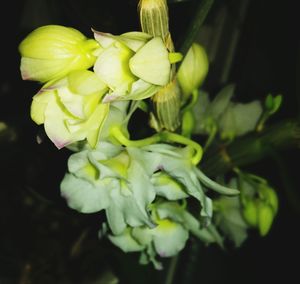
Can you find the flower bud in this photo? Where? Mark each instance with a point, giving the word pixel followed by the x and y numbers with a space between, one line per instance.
pixel 270 197
pixel 167 106
pixel 265 218
pixel 193 69
pixel 250 213
pixel 51 52
pixel 154 17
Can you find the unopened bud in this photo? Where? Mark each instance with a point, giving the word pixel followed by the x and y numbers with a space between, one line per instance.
pixel 154 17
pixel 167 106
pixel 193 69
pixel 51 52
pixel 265 218
pixel 250 213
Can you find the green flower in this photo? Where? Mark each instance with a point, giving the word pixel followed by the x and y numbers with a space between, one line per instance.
pixel 108 178
pixel 51 52
pixel 134 65
pixel 71 108
pixel 125 181
pixel 173 227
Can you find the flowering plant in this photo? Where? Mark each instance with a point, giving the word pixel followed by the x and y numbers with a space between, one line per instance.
pixel 156 192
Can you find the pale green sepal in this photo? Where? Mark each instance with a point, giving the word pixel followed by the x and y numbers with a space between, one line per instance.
pixel 85 196
pixel 151 63
pixel 169 237
pixel 39 105
pixel 168 187
pixel 214 185
pixel 112 66
pixel 125 241
pixel 134 40
pixel 139 90
pixel 85 82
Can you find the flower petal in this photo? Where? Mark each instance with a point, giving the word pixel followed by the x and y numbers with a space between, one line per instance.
pixel 126 242
pixel 169 238
pixel 112 66
pixel 151 63
pixel 83 195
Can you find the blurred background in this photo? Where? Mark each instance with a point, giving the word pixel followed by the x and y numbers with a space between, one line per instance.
pixel 252 43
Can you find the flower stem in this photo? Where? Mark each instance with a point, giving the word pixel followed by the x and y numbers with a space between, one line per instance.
pixel 159 137
pixel 173 137
pixel 118 134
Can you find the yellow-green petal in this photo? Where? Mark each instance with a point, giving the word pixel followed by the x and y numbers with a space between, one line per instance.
pixel 151 63
pixel 51 52
pixel 112 66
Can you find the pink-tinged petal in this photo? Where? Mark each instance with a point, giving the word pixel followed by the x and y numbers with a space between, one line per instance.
pixel 109 98
pixel 44 70
pixel 105 39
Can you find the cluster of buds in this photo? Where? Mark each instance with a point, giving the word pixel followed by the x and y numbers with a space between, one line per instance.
pixel 260 205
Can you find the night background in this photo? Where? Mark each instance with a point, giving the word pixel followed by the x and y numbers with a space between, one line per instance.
pixel 254 44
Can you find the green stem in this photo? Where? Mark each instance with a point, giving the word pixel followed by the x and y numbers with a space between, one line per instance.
pixel 194 99
pixel 200 15
pixel 159 137
pixel 173 137
pixel 172 270
pixel 118 134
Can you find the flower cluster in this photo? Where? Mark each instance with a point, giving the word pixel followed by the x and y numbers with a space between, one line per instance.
pixel 152 191
pixel 143 192
pixel 74 101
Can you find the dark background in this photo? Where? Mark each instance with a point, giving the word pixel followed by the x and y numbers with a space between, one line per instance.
pixel 42 241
